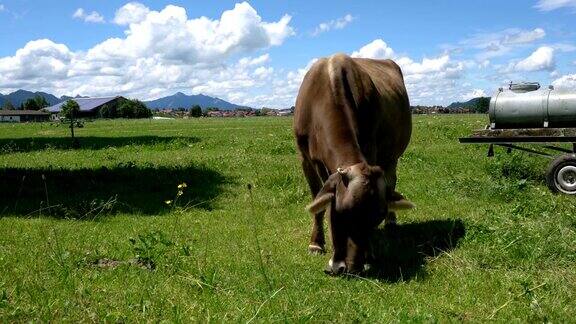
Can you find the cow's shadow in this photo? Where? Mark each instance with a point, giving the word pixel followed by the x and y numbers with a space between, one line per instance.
pixel 123 188
pixel 401 251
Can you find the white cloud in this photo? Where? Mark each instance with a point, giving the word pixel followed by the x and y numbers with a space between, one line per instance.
pixel 474 94
pixel 426 66
pixel 93 17
pixel 565 82
pixel 429 81
pixel 79 13
pixel 523 37
pixel 39 61
pixel 539 60
pixel 339 23
pixel 2 8
pixel 492 45
pixel 248 61
pixel 132 12
pixel 563 47
pixel 263 72
pixel 377 49
pixel 548 5
pixel 170 35
pixel 164 52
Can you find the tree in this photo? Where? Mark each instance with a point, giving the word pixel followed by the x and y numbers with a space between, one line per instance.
pixel 482 105
pixel 126 109
pixel 36 103
pixel 41 102
pixel 108 111
pixel 133 109
pixel 8 106
pixel 30 104
pixel 195 111
pixel 70 110
pixel 140 109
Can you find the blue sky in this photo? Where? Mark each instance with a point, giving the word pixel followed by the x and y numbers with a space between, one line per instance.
pixel 257 52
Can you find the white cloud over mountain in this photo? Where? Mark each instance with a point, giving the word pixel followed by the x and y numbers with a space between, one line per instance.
pixel 163 51
pixel 474 94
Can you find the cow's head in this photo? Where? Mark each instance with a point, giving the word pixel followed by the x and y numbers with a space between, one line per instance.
pixel 360 199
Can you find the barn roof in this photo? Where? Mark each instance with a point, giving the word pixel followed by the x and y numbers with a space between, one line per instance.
pixel 86 104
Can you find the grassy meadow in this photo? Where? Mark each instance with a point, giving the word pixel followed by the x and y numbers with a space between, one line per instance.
pixel 110 232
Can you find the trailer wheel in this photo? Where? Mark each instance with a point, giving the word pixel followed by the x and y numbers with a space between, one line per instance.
pixel 561 174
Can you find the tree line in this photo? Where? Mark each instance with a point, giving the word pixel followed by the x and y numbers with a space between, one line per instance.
pixel 125 108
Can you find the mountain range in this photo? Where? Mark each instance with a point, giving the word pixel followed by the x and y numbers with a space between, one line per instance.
pixel 20 96
pixel 178 100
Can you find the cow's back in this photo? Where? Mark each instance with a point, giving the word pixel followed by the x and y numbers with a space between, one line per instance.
pixel 349 109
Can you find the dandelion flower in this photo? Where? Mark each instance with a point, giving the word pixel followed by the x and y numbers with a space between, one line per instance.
pixel 182 185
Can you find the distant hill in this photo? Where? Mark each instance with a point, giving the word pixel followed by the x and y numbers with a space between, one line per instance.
pixel 20 96
pixel 180 100
pixel 467 104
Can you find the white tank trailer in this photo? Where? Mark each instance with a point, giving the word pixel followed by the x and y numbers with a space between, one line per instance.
pixel 526 105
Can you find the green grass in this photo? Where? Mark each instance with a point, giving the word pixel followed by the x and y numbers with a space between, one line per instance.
pixel 487 240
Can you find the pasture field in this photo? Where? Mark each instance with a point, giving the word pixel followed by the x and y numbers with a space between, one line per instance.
pixel 87 235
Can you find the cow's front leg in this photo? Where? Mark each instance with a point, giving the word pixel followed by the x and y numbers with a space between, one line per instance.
pixel 339 235
pixel 358 249
pixel 317 241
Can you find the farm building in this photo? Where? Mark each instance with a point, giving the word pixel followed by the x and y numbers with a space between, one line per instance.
pixel 22 116
pixel 89 107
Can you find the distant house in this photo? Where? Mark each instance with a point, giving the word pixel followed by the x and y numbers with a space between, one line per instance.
pixel 285 112
pixel 23 116
pixel 89 107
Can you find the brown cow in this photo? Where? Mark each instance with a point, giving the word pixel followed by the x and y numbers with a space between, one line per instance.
pixel 352 122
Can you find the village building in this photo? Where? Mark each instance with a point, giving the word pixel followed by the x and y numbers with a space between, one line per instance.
pixel 23 116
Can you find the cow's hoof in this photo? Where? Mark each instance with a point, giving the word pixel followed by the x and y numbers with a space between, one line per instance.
pixel 315 249
pixel 335 268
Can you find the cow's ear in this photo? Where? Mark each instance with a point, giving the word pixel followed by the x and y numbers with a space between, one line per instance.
pixel 325 195
pixel 398 202
pixel 320 203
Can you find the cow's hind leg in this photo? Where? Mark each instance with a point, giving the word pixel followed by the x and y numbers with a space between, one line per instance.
pixel 317 241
